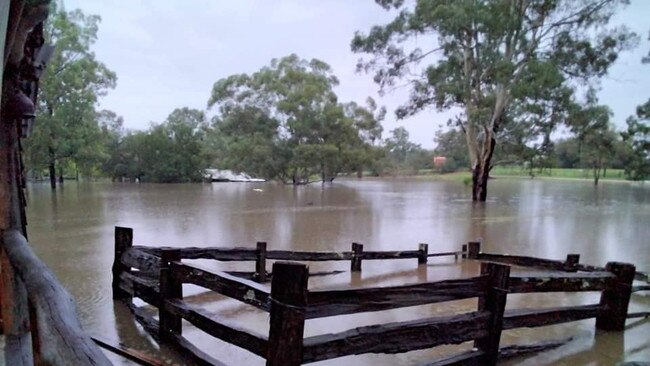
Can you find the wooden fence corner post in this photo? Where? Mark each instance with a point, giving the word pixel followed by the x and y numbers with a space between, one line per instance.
pixel 357 255
pixel 123 241
pixel 260 262
pixel 571 262
pixel 494 301
pixel 287 319
pixel 615 298
pixel 463 250
pixel 170 288
pixel 473 249
pixel 424 253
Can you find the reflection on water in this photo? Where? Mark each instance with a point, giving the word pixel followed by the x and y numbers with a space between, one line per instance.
pixel 72 230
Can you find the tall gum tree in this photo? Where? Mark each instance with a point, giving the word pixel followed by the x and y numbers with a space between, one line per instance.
pixel 285 122
pixel 486 56
pixel 67 125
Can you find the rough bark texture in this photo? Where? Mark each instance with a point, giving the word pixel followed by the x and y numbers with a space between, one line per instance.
pixel 239 289
pixel 287 323
pixel 558 282
pixel 616 297
pixel 337 302
pixel 397 337
pixel 63 342
pixel 530 318
pixel 123 241
pixel 219 327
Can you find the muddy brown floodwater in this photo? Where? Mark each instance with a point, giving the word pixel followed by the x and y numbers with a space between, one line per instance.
pixel 72 231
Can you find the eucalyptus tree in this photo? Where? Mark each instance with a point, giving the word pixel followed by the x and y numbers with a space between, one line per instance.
pixel 483 57
pixel 67 127
pixel 637 136
pixel 591 124
pixel 285 122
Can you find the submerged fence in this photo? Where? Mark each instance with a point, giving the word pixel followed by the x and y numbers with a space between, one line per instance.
pixel 156 275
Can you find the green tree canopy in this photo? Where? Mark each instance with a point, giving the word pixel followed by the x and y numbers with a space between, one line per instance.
pixel 169 152
pixel 637 136
pixel 285 121
pixel 67 128
pixel 494 60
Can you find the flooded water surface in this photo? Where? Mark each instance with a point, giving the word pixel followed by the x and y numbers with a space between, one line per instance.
pixel 72 231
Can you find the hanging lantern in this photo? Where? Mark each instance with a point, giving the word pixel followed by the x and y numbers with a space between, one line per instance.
pixel 22 109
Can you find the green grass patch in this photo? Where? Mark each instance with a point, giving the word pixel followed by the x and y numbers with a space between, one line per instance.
pixel 518 171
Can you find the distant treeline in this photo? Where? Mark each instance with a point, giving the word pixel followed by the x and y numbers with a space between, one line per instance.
pixel 513 86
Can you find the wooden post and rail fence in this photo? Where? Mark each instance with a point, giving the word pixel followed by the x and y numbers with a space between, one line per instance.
pixel 157 275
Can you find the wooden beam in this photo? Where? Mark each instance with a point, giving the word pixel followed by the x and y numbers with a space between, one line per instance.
pixel 357 255
pixel 473 249
pixel 423 253
pixel 615 299
pixel 141 260
pixel 523 261
pixel 287 320
pixel 397 337
pixel 218 253
pixel 245 291
pixel 131 354
pixel 308 256
pixel 260 263
pixel 559 282
pixel 171 288
pixel 63 341
pixel 323 303
pixel 530 318
pixel 493 302
pixel 397 254
pixel 219 327
pixel 571 262
pixel 123 242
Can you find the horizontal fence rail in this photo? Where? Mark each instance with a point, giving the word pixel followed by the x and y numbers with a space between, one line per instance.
pixel 322 303
pixel 245 291
pixel 219 327
pixel 530 318
pixel 397 337
pixel 559 282
pixel 156 275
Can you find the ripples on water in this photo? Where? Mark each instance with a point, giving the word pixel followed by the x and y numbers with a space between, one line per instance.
pixel 72 230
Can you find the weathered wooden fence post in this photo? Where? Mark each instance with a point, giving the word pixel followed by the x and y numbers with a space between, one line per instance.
pixel 494 301
pixel 424 253
pixel 260 262
pixel 463 250
pixel 616 297
pixel 571 262
pixel 287 323
pixel 473 249
pixel 170 288
pixel 357 254
pixel 123 241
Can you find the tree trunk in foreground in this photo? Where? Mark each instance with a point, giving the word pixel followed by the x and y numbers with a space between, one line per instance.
pixel 479 183
pixel 481 171
pixel 52 175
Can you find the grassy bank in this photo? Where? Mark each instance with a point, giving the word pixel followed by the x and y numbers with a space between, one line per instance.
pixel 516 171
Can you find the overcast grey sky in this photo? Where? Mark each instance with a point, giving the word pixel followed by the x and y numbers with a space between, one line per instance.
pixel 168 54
